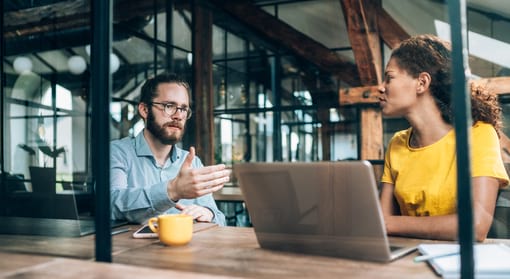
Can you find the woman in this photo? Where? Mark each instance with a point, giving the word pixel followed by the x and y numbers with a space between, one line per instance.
pixel 419 182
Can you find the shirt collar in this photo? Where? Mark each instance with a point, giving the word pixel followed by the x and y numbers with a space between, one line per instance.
pixel 143 149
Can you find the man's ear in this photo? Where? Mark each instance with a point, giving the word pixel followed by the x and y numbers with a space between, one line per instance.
pixel 424 79
pixel 143 110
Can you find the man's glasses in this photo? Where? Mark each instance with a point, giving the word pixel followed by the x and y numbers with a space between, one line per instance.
pixel 170 109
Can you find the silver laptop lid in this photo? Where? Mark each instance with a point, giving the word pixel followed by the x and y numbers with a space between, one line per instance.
pixel 325 208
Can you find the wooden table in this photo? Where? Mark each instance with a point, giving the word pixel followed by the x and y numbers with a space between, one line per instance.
pixel 229 194
pixel 234 251
pixel 15 265
pixel 213 252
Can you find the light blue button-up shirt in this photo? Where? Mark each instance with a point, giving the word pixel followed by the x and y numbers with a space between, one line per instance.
pixel 138 186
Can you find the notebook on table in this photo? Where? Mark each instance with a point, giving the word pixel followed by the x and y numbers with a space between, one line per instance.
pixel 323 208
pixel 491 260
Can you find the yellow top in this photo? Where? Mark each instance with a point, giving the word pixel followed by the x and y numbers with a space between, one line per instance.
pixel 425 178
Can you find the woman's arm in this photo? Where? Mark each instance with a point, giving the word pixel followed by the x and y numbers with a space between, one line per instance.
pixel 444 227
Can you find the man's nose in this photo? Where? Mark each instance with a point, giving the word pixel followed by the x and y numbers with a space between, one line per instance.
pixel 177 115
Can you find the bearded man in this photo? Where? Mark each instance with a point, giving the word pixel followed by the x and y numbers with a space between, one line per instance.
pixel 150 175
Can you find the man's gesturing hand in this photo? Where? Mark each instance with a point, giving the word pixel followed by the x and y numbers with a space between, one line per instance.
pixel 191 183
pixel 199 213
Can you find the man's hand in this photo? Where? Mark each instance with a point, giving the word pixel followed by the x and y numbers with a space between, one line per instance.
pixel 199 213
pixel 191 183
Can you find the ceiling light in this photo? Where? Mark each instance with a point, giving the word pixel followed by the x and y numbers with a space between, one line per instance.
pixel 76 64
pixel 22 64
pixel 114 63
pixel 189 58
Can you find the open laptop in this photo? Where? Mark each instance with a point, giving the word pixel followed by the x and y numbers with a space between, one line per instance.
pixel 323 208
pixel 46 212
pixel 57 216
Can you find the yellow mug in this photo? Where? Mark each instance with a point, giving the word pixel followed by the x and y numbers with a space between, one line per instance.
pixel 173 229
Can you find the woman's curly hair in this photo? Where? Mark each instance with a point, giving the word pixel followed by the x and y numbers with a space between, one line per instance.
pixel 485 106
pixel 428 53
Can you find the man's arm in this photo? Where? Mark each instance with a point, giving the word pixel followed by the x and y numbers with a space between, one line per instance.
pixel 138 204
pixel 444 227
pixel 135 204
pixel 199 182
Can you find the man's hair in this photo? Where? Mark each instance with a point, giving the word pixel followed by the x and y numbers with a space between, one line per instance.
pixel 149 89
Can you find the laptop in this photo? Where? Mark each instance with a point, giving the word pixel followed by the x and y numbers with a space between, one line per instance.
pixel 51 226
pixel 322 208
pixel 46 212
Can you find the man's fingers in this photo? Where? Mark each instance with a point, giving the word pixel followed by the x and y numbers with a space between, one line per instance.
pixel 193 211
pixel 189 158
pixel 197 212
pixel 210 189
pixel 180 206
pixel 206 177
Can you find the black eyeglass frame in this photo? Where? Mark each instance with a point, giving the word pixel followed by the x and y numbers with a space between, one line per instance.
pixel 171 108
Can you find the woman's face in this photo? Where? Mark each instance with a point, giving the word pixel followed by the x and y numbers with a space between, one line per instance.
pixel 398 91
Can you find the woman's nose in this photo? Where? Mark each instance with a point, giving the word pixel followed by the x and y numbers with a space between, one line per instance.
pixel 381 88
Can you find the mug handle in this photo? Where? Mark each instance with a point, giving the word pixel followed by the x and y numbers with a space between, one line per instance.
pixel 151 222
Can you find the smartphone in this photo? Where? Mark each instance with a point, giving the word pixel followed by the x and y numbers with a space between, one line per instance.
pixel 144 232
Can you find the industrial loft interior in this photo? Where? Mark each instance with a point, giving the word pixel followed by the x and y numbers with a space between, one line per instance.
pixel 272 80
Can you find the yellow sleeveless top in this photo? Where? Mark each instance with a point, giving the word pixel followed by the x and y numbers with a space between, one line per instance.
pixel 425 178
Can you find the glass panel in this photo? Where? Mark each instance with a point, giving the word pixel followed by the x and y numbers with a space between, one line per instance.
pixel 45 136
pixel 182 29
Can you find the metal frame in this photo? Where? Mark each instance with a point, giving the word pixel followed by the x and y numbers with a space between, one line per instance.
pixel 100 114
pixel 462 110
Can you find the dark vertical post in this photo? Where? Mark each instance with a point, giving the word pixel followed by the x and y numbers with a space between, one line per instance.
pixel 462 109
pixel 100 98
pixel 202 73
pixel 2 109
pixel 247 89
pixel 54 116
pixel 169 36
pixel 276 88
pixel 155 38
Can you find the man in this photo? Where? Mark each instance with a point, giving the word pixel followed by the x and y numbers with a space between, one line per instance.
pixel 150 175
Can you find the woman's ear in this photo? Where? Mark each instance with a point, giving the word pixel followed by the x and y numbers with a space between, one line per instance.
pixel 423 82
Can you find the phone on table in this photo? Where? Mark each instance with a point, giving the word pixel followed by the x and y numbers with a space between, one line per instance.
pixel 145 232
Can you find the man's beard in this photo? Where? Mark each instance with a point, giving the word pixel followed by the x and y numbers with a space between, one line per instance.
pixel 160 132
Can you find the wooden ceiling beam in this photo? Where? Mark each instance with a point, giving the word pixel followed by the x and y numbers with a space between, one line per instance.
pixel 366 95
pixel 70 14
pixel 390 31
pixel 361 20
pixel 291 39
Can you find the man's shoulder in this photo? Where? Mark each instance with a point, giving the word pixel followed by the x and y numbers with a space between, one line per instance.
pixel 126 143
pixel 121 141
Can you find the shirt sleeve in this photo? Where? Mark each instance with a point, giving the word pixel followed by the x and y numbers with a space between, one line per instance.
pixel 486 153
pixel 135 204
